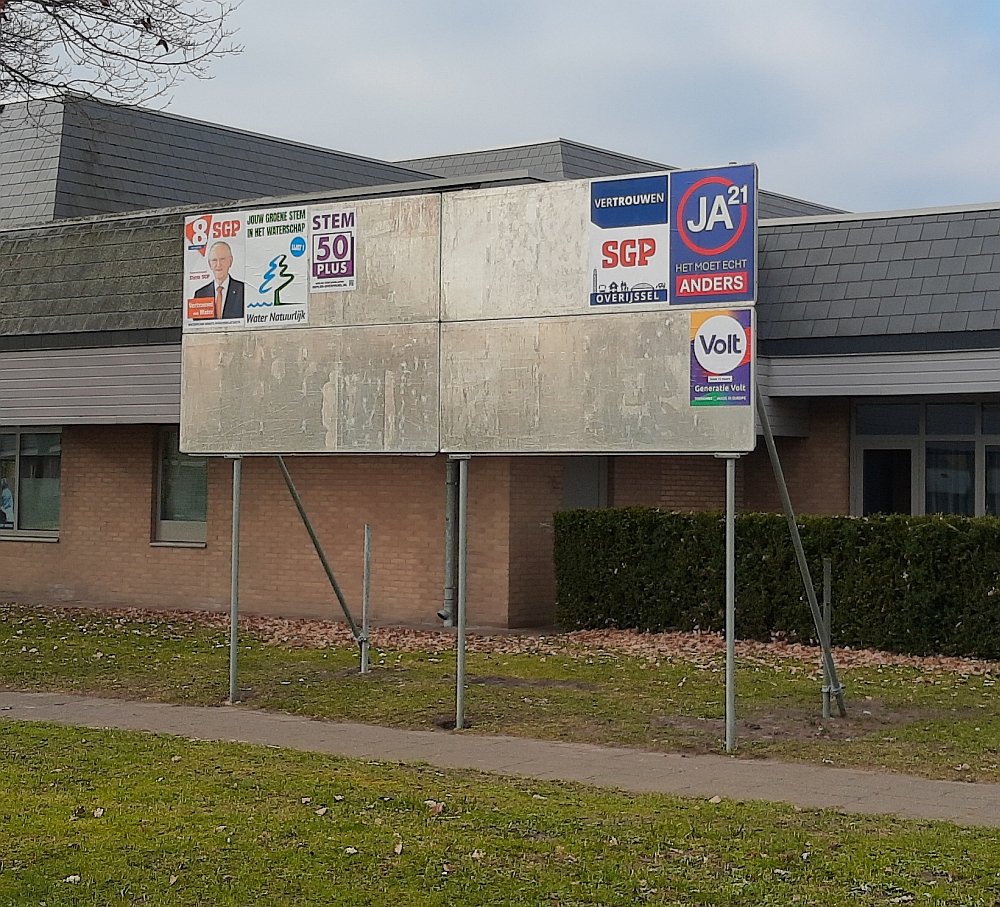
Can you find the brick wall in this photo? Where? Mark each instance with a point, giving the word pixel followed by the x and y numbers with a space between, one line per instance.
pixel 488 589
pixel 817 468
pixel 672 483
pixel 104 552
pixel 536 494
pixel 105 555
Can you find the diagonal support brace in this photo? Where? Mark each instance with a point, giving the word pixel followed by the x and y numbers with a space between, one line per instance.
pixel 800 555
pixel 355 632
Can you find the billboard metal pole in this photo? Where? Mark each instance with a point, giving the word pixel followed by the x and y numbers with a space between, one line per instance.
pixel 800 555
pixel 234 584
pixel 463 557
pixel 447 612
pixel 730 603
pixel 366 587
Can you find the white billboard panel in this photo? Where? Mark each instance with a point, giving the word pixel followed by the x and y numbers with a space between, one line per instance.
pixel 593 384
pixel 366 389
pixel 591 316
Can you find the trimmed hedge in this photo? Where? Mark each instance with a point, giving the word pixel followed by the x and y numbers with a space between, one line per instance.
pixel 919 585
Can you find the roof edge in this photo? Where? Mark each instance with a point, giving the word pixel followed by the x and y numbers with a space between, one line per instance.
pixel 425 186
pixel 657 165
pixel 878 215
pixel 233 130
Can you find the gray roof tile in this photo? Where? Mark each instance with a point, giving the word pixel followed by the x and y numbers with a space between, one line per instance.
pixel 932 229
pixel 961 283
pixel 875 324
pixel 982 321
pixel 866 253
pixel 891 251
pixel 818 256
pixel 934 285
pixel 971 245
pixel 959 228
pixel 891 305
pixel 942 248
pixel 906 232
pixel 909 286
pixel 850 272
pixel 886 284
pixel 917 249
pixel 899 269
pixel 929 322
pixel 926 267
pixel 985 226
pixel 826 273
pixel 954 321
pixel 956 265
pixel 842 254
pixel 875 270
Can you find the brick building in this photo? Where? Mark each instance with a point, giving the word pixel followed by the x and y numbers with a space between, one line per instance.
pixel 878 343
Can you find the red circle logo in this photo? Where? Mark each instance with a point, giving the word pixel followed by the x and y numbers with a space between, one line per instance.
pixel 682 230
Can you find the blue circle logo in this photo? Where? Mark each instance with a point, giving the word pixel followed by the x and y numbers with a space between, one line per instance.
pixel 297 246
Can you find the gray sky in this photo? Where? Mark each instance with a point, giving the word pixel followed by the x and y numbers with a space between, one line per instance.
pixel 862 104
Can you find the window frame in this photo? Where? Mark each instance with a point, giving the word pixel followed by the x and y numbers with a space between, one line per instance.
pixel 917 443
pixel 16 534
pixel 179 533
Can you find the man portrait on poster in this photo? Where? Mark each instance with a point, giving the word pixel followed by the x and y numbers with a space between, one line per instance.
pixel 227 291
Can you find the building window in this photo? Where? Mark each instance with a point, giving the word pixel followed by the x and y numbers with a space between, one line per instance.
pixel 182 492
pixel 940 457
pixel 30 466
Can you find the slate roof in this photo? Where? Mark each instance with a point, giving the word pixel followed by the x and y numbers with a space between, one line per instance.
pixel 563 159
pixel 110 158
pixel 29 161
pixel 559 159
pixel 88 283
pixel 898 282
pixel 828 283
pixel 774 205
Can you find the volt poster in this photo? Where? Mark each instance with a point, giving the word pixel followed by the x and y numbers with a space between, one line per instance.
pixel 721 357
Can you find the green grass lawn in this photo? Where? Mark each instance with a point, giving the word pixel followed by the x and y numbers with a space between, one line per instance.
pixel 940 724
pixel 106 817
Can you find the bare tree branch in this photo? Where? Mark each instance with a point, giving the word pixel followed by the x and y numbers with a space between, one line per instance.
pixel 128 50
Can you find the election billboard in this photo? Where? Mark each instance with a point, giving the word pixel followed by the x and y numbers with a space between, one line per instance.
pixel 246 269
pixel 686 237
pixel 581 316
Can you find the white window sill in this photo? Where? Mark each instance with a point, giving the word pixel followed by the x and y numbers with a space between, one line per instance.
pixel 28 537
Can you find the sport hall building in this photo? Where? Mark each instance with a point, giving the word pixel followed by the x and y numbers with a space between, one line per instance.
pixel 878 357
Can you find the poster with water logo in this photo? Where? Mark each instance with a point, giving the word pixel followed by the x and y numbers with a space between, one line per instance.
pixel 246 269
